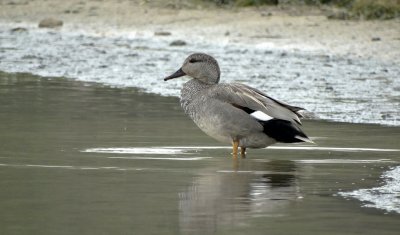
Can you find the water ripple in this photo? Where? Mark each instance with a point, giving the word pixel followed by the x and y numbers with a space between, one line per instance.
pixel 385 197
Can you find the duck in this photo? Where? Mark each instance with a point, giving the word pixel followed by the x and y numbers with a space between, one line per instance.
pixel 235 113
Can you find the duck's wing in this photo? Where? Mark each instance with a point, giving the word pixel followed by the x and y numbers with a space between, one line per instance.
pixel 292 108
pixel 255 102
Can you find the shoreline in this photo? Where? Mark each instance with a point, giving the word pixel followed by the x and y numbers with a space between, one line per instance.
pixel 123 61
pixel 141 91
pixel 353 78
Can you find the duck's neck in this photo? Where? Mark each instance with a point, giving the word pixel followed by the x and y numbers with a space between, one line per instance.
pixel 190 89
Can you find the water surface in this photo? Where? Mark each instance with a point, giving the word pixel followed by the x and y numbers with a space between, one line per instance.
pixel 83 158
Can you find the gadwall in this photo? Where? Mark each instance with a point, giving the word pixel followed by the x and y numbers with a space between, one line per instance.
pixel 235 113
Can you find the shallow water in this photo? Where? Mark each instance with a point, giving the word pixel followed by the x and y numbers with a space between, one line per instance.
pixel 82 158
pixel 333 87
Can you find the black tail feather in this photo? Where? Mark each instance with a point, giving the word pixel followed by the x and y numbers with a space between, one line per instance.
pixel 283 131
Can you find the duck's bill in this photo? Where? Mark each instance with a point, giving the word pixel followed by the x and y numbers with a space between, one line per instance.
pixel 177 74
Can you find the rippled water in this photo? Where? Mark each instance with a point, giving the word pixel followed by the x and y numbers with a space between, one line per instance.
pixel 385 197
pixel 333 87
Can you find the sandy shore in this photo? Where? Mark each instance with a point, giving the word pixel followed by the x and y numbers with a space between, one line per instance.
pixel 293 28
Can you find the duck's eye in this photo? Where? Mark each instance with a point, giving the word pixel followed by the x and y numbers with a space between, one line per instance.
pixel 193 60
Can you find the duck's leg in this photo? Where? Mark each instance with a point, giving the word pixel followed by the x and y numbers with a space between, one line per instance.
pixel 243 152
pixel 235 146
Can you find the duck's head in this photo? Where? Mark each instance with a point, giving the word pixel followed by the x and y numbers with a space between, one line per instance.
pixel 199 66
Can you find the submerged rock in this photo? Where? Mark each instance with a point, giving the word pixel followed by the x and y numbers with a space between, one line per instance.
pixel 50 23
pixel 178 43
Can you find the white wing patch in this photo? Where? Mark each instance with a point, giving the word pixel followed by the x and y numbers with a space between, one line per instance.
pixel 261 116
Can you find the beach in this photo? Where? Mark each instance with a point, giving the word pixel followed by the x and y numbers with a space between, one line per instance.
pixel 93 141
pixel 290 26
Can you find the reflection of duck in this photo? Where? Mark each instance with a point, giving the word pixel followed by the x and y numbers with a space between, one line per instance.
pixel 227 198
pixel 235 113
pixel 285 176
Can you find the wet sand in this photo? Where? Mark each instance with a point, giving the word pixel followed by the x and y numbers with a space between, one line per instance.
pixel 157 173
pixel 292 27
